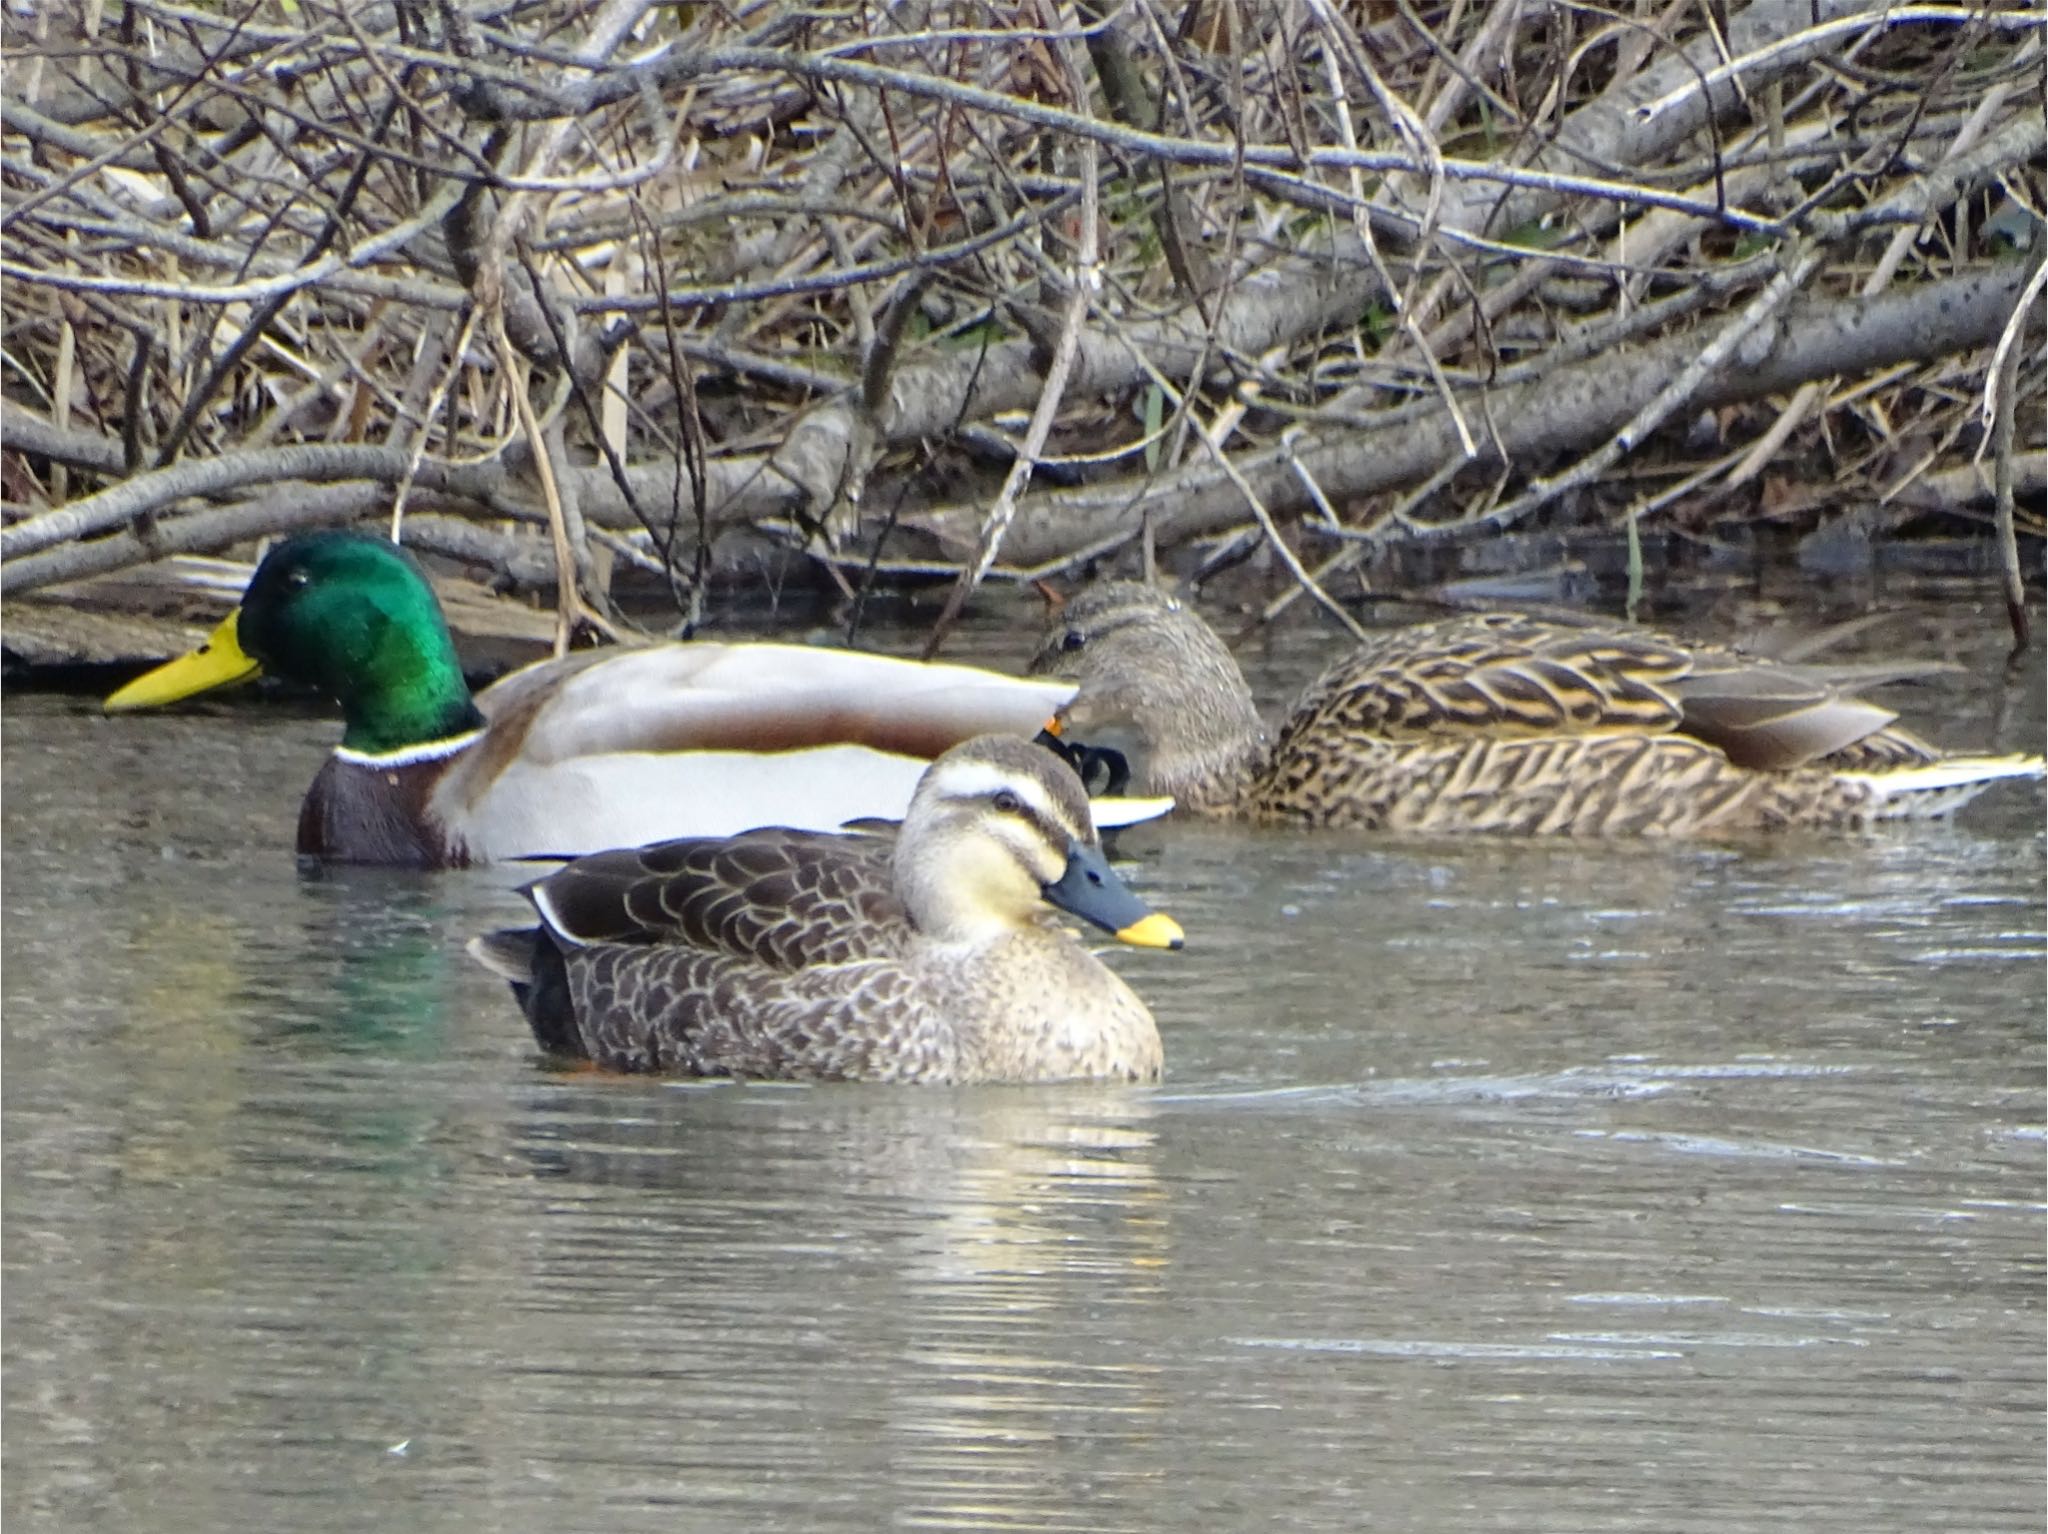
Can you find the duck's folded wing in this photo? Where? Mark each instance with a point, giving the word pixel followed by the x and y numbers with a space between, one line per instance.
pixel 785 899
pixel 679 740
pixel 762 697
pixel 1771 716
pixel 1500 675
pixel 1506 675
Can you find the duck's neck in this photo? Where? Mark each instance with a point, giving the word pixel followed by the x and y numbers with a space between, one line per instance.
pixel 1212 783
pixel 409 697
pixel 1214 746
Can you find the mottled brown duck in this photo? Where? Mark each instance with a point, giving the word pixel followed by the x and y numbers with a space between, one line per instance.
pixel 1495 723
pixel 932 956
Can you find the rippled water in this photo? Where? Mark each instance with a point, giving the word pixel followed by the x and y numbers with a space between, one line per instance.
pixel 1494 1186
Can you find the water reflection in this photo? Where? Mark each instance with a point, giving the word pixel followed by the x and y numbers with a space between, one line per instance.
pixel 1491 1186
pixel 906 1272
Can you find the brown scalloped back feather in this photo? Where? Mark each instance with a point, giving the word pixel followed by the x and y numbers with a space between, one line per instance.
pixel 1506 723
pixel 785 899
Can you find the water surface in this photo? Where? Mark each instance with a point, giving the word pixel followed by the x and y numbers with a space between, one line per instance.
pixel 1493 1186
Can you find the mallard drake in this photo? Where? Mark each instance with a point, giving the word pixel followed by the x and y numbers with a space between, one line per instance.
pixel 781 953
pixel 603 748
pixel 1497 722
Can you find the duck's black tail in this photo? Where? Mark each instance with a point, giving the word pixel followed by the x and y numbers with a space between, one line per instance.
pixel 529 959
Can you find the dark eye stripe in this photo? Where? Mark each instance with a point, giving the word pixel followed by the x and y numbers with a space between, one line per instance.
pixel 1055 834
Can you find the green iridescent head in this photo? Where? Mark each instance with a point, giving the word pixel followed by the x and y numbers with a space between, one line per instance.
pixel 347 613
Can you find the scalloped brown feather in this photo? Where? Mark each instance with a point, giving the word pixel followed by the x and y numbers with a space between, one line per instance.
pixel 784 899
pixel 1502 722
pixel 1504 675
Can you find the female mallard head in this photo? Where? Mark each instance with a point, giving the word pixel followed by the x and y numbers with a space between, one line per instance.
pixel 347 613
pixel 1156 686
pixel 999 828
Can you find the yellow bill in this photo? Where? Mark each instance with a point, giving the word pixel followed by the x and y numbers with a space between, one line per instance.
pixel 217 663
pixel 1156 930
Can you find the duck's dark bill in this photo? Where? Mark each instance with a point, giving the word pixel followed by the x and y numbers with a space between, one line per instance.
pixel 217 663
pixel 1091 890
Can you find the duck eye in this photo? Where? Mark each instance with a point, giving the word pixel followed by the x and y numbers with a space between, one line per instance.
pixel 298 579
pixel 1007 803
pixel 1073 639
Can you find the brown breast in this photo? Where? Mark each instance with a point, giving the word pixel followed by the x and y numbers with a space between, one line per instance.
pixel 361 812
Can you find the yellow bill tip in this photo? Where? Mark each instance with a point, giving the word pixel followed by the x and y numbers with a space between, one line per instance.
pixel 1154 930
pixel 1053 727
pixel 217 663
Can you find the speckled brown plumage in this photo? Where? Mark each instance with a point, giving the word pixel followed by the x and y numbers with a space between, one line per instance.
pixel 1495 723
pixel 796 955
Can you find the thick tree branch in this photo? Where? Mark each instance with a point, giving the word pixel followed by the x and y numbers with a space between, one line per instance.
pixel 1572 409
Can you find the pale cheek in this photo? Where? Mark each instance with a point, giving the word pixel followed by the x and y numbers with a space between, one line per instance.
pixel 988 876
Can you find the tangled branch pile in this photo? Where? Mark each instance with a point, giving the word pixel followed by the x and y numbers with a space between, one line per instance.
pixel 959 285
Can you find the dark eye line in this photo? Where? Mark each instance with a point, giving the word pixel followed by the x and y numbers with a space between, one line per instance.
pixel 1031 815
